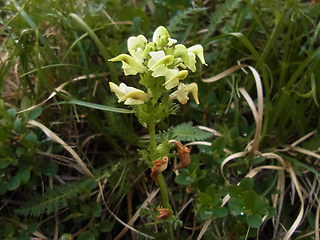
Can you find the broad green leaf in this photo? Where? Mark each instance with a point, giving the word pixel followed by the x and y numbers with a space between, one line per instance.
pixel 205 199
pixel 250 199
pixel 17 125
pixel 32 227
pixel 13 183
pixel 3 189
pixel 246 184
pixel 66 236
pixel 96 210
pixel 86 236
pixel 257 160
pixel 105 226
pixel 33 114
pixel 50 169
pixel 25 103
pixel 205 213
pixel 219 144
pixel 24 174
pixel 184 179
pixel 236 206
pixel 220 212
pixel 31 137
pixel 254 220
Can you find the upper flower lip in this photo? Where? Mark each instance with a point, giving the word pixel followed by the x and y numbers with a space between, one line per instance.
pixel 131 95
pixel 130 65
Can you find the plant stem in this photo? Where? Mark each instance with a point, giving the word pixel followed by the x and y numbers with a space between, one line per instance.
pixel 153 143
pixel 164 192
pixel 162 183
pixel 152 149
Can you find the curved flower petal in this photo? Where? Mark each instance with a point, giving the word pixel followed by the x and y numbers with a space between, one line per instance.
pixel 136 47
pixel 193 88
pixel 159 58
pixel 163 213
pixel 158 167
pixel 180 51
pixel 171 41
pixel 117 90
pixel 198 50
pixel 129 65
pixel 150 47
pixel 183 153
pixel 183 91
pixel 181 94
pixel 160 36
pixel 131 95
pixel 191 64
pixel 173 76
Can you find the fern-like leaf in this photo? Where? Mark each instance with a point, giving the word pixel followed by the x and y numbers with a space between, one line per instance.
pixel 181 24
pixel 54 199
pixel 184 132
pixel 221 13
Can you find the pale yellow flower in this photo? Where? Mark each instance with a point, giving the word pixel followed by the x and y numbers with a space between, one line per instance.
pixel 130 65
pixel 183 91
pixel 136 46
pixel 198 50
pixel 173 76
pixel 131 95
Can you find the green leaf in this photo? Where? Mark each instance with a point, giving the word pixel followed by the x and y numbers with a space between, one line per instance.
pixel 186 132
pixel 86 236
pixel 254 220
pixel 246 184
pixel 50 169
pixel 220 212
pixel 25 103
pixel 204 214
pixel 12 112
pixel 3 189
pixel 205 199
pixel 13 183
pixel 66 236
pixel 32 227
pixel 184 179
pixel 31 137
pixel 105 226
pixel 96 210
pixel 4 163
pixel 33 114
pixel 17 125
pixel 250 199
pixel 24 174
pixel 257 160
pixel 97 106
pixel 219 144
pixel 236 206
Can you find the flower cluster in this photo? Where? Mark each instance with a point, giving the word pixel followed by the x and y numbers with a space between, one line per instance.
pixel 161 57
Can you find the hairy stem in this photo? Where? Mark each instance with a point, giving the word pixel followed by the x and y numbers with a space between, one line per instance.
pixel 163 191
pixel 161 181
